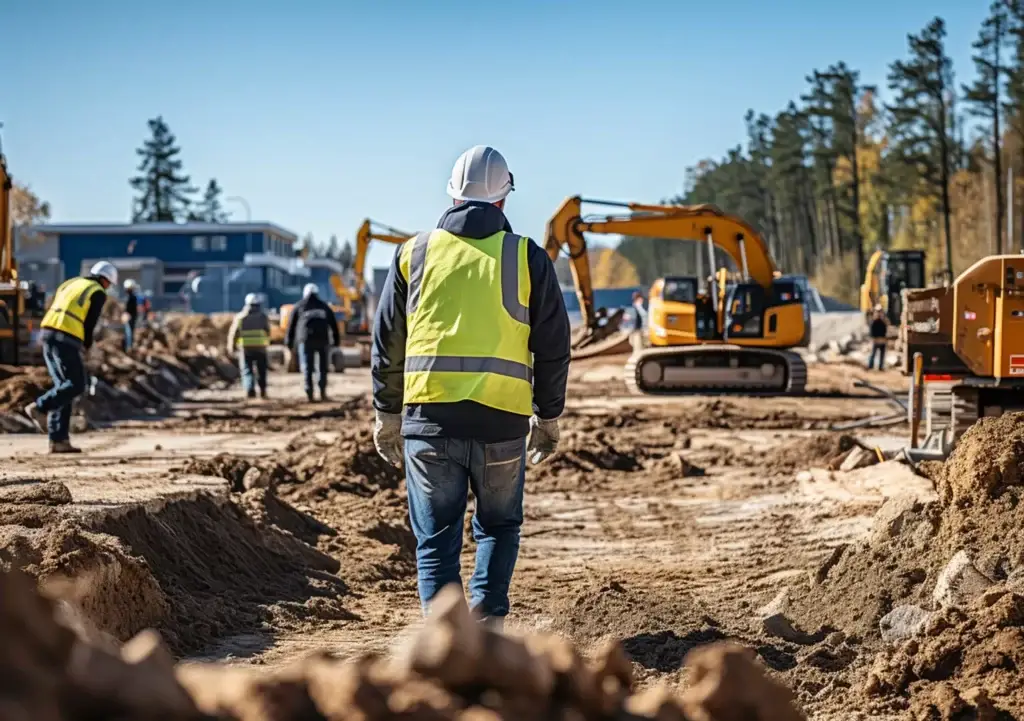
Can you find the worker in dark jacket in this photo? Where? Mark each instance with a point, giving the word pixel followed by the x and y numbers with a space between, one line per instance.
pixel 469 363
pixel 313 326
pixel 130 316
pixel 879 339
pixel 66 330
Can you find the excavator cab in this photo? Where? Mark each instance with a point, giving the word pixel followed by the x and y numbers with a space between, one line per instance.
pixel 901 269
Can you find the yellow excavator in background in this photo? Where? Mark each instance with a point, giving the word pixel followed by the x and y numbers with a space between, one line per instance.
pixel 887 274
pixel 12 300
pixel 732 337
pixel 970 338
pixel 369 231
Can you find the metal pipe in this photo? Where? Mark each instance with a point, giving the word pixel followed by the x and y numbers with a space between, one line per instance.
pixel 916 398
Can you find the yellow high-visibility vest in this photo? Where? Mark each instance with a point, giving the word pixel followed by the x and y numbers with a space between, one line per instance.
pixel 468 321
pixel 70 307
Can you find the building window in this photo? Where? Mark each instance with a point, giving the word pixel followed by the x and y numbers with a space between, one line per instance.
pixel 199 243
pixel 219 243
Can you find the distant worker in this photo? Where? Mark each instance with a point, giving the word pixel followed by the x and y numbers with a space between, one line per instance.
pixel 639 322
pixel 131 314
pixel 67 329
pixel 250 333
pixel 879 337
pixel 471 339
pixel 313 326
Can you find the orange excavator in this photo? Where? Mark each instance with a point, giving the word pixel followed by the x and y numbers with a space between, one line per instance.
pixel 12 301
pixel 730 337
pixel 368 232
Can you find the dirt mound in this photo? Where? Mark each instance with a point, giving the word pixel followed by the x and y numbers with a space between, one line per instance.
pixel 451 669
pixel 966 665
pixel 989 460
pixel 196 568
pixel 807 452
pixel 933 559
pixel 241 473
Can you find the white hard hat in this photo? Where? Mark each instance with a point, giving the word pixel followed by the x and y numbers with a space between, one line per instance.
pixel 252 299
pixel 129 283
pixel 481 174
pixel 103 269
pixel 310 289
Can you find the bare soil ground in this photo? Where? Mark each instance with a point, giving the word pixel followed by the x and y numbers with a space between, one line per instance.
pixel 256 532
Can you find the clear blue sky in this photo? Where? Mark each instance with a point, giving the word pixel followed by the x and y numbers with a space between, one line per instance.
pixel 321 113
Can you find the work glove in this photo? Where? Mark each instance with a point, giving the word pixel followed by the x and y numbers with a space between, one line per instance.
pixel 387 437
pixel 543 439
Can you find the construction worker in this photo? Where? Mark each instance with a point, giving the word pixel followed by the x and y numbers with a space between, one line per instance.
pixel 131 314
pixel 67 329
pixel 636 337
pixel 469 364
pixel 250 332
pixel 879 332
pixel 312 324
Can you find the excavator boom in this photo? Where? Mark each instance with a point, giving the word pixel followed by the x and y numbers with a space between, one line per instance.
pixel 368 232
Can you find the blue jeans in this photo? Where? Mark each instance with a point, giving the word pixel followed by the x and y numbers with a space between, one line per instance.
pixel 129 336
pixel 308 357
pixel 253 363
pixel 439 474
pixel 63 359
pixel 877 349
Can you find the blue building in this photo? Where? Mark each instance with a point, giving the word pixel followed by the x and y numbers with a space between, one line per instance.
pixel 163 258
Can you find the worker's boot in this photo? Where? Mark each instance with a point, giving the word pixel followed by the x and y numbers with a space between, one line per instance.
pixel 323 394
pixel 250 394
pixel 63 447
pixel 495 623
pixel 37 417
pixel 309 396
pixel 263 394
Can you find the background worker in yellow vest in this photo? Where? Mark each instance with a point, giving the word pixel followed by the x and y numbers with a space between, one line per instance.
pixel 66 330
pixel 250 334
pixel 470 357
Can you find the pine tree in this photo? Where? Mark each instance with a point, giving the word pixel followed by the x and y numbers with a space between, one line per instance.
pixel 346 256
pixel 164 190
pixel 210 209
pixel 923 87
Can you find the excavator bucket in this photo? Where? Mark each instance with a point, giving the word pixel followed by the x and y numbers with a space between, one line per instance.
pixel 606 337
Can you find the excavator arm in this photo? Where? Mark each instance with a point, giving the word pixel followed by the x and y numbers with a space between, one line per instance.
pixel 871 289
pixel 368 232
pixel 707 223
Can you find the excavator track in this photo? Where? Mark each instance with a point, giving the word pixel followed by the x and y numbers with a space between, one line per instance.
pixel 715 369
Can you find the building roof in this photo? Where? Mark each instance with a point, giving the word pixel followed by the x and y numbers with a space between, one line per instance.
pixel 154 228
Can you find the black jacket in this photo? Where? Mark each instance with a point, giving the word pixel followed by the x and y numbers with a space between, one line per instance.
pixel 879 329
pixel 312 323
pixel 549 343
pixel 131 307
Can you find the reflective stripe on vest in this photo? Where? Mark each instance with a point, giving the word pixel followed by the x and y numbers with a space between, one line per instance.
pixel 253 338
pixel 468 321
pixel 70 307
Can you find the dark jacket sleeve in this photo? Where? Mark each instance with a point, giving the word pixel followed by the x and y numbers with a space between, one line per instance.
pixel 93 316
pixel 387 358
pixel 131 306
pixel 549 336
pixel 293 323
pixel 332 324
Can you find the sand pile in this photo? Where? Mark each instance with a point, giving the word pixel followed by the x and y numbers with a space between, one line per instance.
pixel 452 668
pixel 196 568
pixel 939 585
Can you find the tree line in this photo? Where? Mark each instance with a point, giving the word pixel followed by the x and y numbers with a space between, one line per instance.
pixel 845 168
